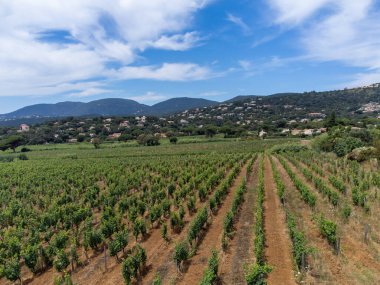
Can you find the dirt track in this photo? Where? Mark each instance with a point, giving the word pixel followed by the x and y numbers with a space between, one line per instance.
pixel 278 251
pixel 240 249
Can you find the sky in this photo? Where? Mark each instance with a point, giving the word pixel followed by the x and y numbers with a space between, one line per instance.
pixel 153 50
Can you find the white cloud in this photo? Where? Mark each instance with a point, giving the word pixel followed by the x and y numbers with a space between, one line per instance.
pixel 245 64
pixel 90 92
pixel 239 22
pixel 347 32
pixel 166 72
pixel 149 97
pixel 213 93
pixel 97 34
pixel 179 42
pixel 296 11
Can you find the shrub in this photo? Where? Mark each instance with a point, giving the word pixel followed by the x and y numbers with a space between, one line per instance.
pixel 256 274
pixel 181 254
pixel 211 273
pixel 61 261
pixel 345 145
pixel 328 230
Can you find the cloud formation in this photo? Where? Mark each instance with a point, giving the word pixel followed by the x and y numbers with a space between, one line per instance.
pixel 239 22
pixel 346 32
pixel 50 47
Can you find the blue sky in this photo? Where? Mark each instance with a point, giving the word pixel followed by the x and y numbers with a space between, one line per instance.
pixel 149 51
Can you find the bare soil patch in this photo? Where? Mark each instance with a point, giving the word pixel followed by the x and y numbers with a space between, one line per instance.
pixel 240 249
pixel 278 250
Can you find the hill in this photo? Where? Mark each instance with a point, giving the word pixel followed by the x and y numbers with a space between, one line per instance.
pixel 106 107
pixel 352 103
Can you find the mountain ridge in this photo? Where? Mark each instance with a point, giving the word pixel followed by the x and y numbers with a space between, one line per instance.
pixel 346 102
pixel 108 107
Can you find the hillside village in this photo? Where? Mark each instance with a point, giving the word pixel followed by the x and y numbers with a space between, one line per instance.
pixel 279 115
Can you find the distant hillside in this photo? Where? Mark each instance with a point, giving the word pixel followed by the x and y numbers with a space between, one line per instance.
pixel 351 103
pixel 176 105
pixel 106 107
pixel 355 102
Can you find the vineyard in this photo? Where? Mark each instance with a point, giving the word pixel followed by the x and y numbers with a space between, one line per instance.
pixel 229 212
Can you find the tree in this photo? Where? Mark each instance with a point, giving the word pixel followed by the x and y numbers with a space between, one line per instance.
pixel 210 131
pixel 11 142
pixel 173 140
pixel 148 140
pixel 96 142
pixel 331 120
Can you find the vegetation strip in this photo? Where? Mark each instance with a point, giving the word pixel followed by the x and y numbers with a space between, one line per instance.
pixel 256 273
pixel 306 194
pixel 300 248
pixel 188 247
pixel 327 228
pixel 230 219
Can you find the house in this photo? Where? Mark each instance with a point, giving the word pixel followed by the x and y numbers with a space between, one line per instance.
pixel 285 131
pixel 124 124
pixel 296 132
pixel 317 115
pixel 114 136
pixel 73 140
pixel 308 132
pixel 24 128
pixel 263 134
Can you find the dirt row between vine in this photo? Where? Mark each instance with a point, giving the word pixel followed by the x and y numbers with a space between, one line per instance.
pixel 211 239
pixel 278 246
pixel 357 261
pixel 240 249
pixel 358 218
pixel 323 265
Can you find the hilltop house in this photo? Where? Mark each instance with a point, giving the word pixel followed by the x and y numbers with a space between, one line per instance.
pixel 24 128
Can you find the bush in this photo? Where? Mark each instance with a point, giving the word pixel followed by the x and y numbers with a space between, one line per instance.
pixel 148 140
pixel 173 140
pixel 6 158
pixel 211 273
pixel 328 230
pixel 256 274
pixel 22 157
pixel 62 261
pixel 181 254
pixel 345 145
pixel 346 211
pixel 25 149
pixel 362 153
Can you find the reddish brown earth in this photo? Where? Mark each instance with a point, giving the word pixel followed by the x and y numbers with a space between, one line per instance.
pixel 211 239
pixel 355 254
pixel 278 246
pixel 323 266
pixel 240 249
